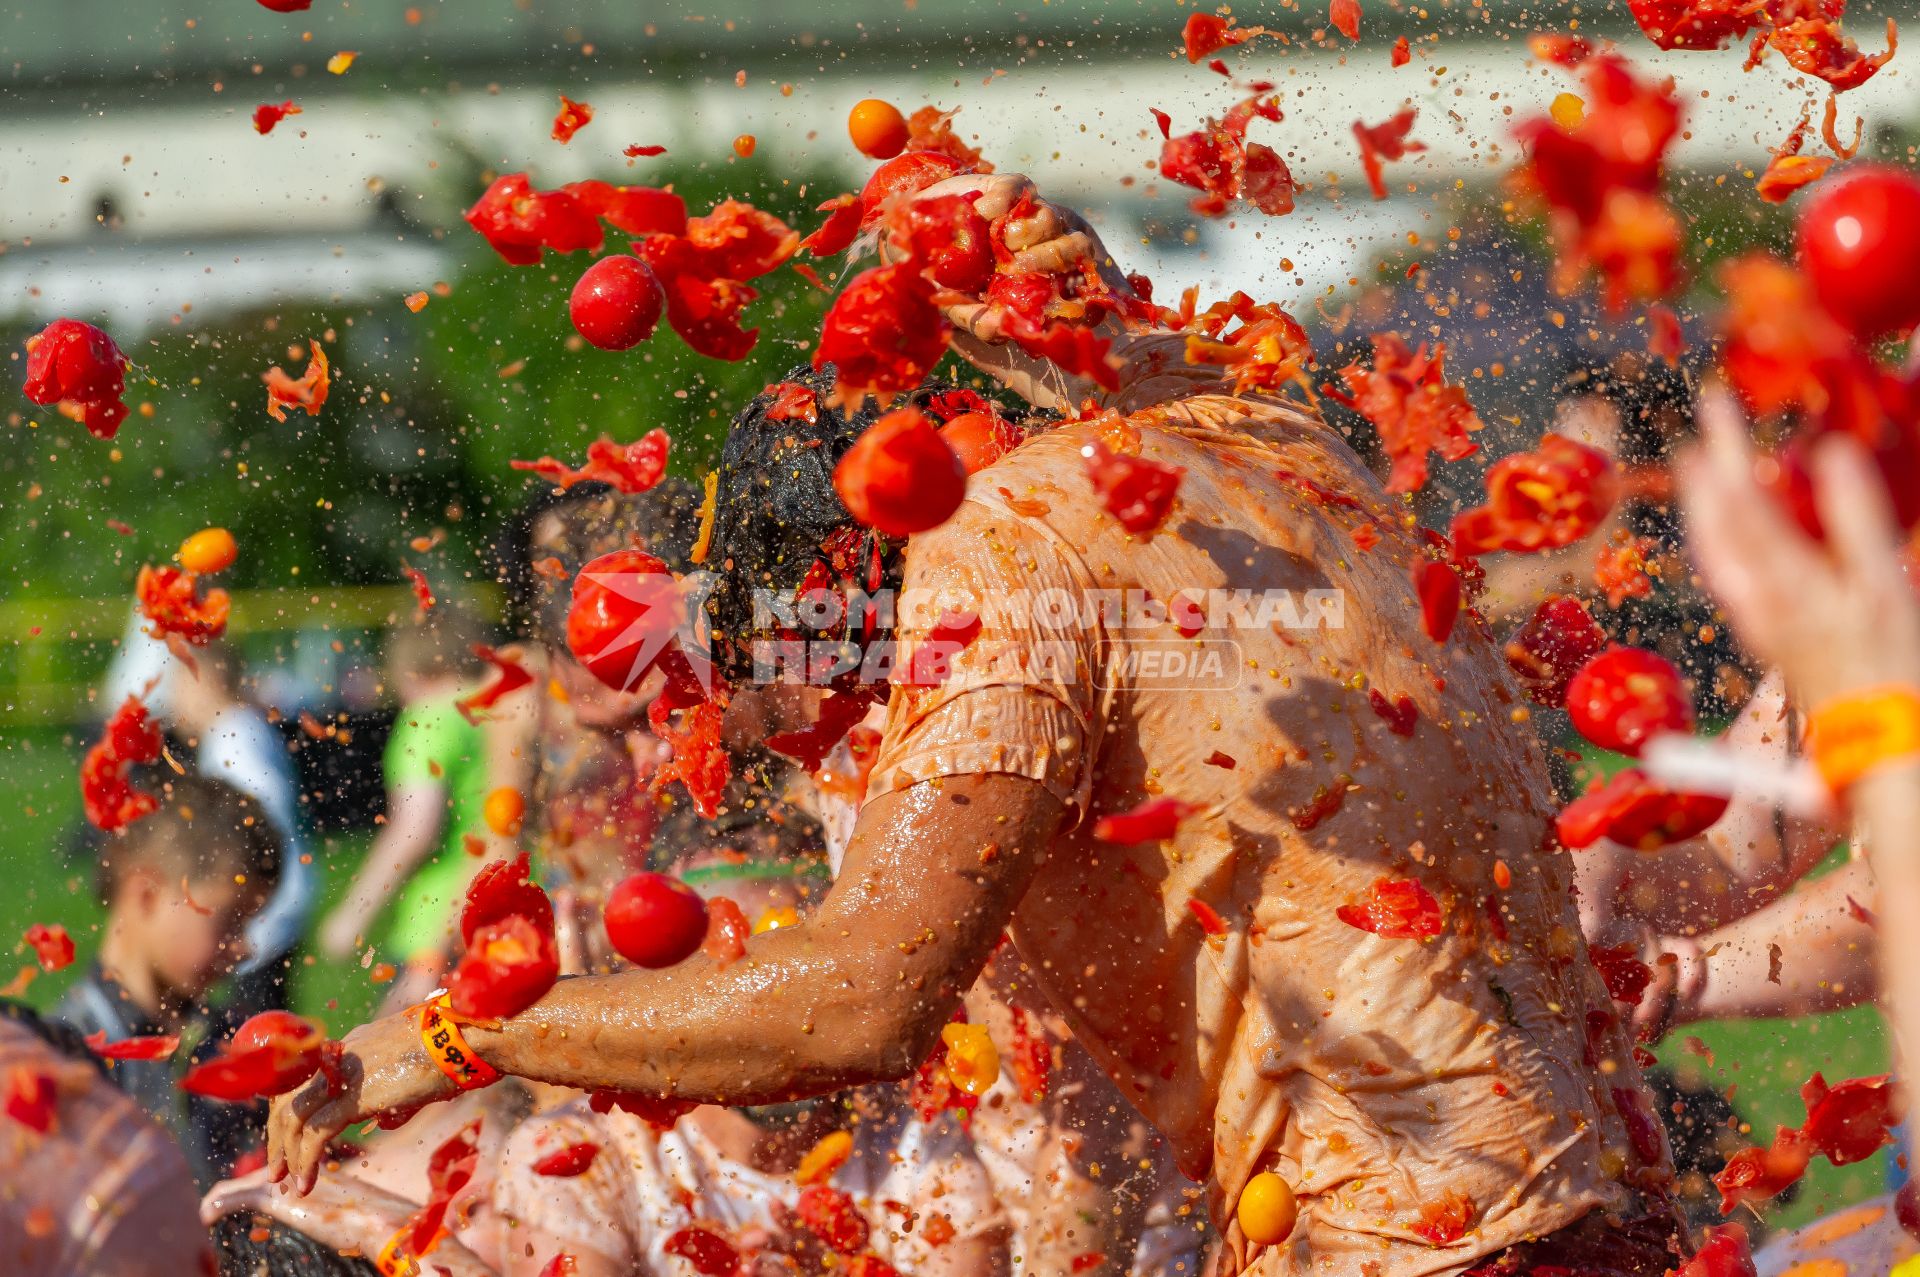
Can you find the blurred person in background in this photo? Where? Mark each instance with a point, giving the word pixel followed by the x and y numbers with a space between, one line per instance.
pixel 179 885
pixel 234 742
pixel 90 1185
pixel 439 766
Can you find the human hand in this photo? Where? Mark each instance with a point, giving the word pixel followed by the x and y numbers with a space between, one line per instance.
pixel 383 1070
pixel 1834 619
pixel 1673 996
pixel 1051 240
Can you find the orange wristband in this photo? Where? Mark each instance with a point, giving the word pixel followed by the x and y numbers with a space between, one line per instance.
pixel 440 1034
pixel 1853 735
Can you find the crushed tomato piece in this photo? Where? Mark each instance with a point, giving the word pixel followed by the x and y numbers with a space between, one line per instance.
pixel 52 946
pixel 1394 909
pixel 511 677
pixel 1540 500
pixel 112 802
pixel 1136 491
pixel 1154 820
pixel 565 1163
pixel 1384 141
pixel 1407 398
pixel 267 115
pixel 308 392
pixel 571 118
pixel 158 1046
pixel 631 468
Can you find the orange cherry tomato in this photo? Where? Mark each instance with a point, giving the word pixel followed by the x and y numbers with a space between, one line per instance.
pixel 208 551
pixel 877 128
pixel 504 810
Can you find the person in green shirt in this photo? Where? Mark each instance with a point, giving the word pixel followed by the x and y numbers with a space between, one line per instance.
pixel 437 778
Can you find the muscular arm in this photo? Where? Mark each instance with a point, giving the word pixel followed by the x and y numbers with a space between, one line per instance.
pixel 856 994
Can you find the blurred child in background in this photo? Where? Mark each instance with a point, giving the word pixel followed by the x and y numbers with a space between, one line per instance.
pixel 179 886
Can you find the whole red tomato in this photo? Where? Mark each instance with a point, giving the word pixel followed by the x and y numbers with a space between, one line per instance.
pixel 1860 245
pixel 901 477
pixel 616 304
pixel 1625 696
pixel 655 921
pixel 979 439
pixel 625 607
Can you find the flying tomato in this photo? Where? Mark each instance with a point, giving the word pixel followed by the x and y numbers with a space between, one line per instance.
pixel 1551 647
pixel 1625 696
pixel 270 1054
pixel 727 932
pixel 625 609
pixel 877 129
pixel 654 921
pixel 208 551
pixel 72 363
pixel 901 477
pixel 616 303
pixel 509 965
pixel 1859 243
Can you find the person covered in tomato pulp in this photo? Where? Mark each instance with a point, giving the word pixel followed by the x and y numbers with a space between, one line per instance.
pixel 1302 902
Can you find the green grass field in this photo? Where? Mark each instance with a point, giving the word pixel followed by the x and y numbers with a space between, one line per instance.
pixel 1763 1063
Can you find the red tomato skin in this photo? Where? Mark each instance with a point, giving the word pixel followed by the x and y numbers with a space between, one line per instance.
pixel 655 921
pixel 914 171
pixel 294 1039
pixel 979 439
pixel 1859 241
pixel 901 477
pixel 602 622
pixel 1623 697
pixel 616 303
